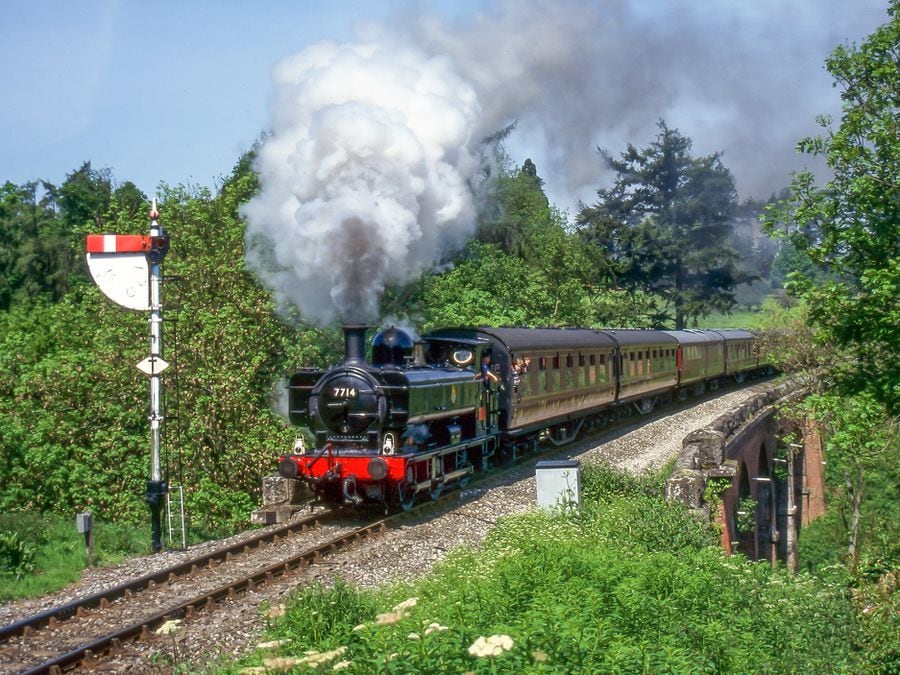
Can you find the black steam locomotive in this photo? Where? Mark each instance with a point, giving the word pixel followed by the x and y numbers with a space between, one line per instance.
pixel 429 412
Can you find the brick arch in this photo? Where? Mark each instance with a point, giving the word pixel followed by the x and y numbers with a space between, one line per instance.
pixel 765 506
pixel 741 541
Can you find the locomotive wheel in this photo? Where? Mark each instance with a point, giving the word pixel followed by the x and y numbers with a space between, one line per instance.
pixel 406 497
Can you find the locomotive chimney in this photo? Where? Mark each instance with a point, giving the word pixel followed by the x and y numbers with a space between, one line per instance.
pixel 355 344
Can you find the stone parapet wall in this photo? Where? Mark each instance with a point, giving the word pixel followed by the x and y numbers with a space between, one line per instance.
pixel 707 452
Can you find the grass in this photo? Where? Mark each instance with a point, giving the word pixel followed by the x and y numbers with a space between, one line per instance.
pixel 51 554
pixel 739 318
pixel 628 584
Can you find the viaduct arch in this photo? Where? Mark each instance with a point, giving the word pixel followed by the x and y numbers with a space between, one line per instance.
pixel 734 473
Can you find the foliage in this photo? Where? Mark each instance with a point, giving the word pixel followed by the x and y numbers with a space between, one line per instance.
pixel 849 226
pixel 36 255
pixel 664 225
pixel 860 441
pixel 756 251
pixel 73 432
pixel 216 510
pixel 792 261
pixel 524 269
pixel 599 592
pixel 794 344
pixel 71 439
pixel 57 550
pixel 16 556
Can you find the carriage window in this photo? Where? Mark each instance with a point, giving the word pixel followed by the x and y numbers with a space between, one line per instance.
pixel 602 360
pixel 556 362
pixel 570 361
pixel 593 359
pixel 631 356
pixel 542 363
pixel 525 384
pixel 581 360
pixel 640 356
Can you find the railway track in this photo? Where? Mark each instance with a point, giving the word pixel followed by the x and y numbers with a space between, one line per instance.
pixel 103 624
pixel 86 630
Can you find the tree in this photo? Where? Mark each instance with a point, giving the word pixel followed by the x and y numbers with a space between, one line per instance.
pixel 845 240
pixel 85 198
pixel 850 227
pixel 664 224
pixel 36 249
pixel 527 268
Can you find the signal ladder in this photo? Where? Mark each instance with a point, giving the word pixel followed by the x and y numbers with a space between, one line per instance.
pixel 175 514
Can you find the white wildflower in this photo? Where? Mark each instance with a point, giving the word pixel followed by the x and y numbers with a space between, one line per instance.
pixel 273 644
pixel 275 612
pixel 316 659
pixel 405 605
pixel 170 627
pixel 282 663
pixel 435 628
pixel 539 656
pixel 387 618
pixel 494 645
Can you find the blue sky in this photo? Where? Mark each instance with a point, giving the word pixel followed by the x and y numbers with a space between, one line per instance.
pixel 174 92
pixel 155 91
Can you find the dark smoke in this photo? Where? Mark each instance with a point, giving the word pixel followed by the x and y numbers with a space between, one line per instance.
pixel 366 177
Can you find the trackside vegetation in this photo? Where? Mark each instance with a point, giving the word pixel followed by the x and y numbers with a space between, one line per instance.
pixel 630 584
pixel 40 553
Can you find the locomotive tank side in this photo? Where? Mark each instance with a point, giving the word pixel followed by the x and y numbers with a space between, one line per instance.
pixel 382 431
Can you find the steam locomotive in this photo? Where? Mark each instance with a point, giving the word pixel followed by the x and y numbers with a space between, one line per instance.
pixel 431 411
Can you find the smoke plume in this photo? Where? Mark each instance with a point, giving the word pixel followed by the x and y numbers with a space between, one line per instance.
pixel 743 78
pixel 366 175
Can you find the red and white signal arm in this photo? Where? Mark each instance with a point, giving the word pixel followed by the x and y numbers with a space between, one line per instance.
pixel 120 268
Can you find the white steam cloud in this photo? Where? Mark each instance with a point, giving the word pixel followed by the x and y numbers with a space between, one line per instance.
pixel 365 177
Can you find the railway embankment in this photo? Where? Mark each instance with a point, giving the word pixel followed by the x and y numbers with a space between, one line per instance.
pixel 643 446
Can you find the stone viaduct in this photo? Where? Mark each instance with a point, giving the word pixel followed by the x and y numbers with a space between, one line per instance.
pixel 734 472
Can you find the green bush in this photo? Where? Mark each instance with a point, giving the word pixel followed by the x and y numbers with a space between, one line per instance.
pixel 618 588
pixel 216 511
pixel 16 556
pixel 58 553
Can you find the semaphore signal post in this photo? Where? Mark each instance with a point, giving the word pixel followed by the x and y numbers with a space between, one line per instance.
pixel 127 269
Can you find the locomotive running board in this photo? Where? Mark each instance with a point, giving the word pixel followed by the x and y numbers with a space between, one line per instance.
pixel 443 480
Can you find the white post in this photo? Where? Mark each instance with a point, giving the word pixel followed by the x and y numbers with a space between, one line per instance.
pixel 156 486
pixel 155 351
